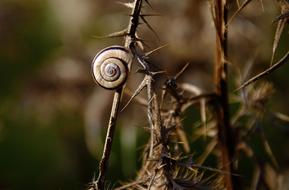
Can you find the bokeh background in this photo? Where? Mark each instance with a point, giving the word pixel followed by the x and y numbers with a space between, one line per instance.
pixel 53 116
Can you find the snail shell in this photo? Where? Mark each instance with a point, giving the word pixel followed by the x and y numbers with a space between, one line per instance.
pixel 110 66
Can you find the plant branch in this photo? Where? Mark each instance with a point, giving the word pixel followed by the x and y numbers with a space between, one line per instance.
pixel 130 39
pixel 225 134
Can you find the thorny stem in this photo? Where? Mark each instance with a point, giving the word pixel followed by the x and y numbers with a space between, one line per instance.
pixel 150 119
pixel 129 43
pixel 225 134
pixel 108 140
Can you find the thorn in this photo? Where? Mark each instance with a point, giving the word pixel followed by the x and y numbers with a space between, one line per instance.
pixel 154 50
pixel 181 71
pixel 245 3
pixel 150 27
pixel 117 34
pixel 147 2
pixel 128 5
pixel 151 73
pixel 157 73
pixel 147 15
pixel 153 14
pixel 136 92
pixel 141 42
pixel 143 71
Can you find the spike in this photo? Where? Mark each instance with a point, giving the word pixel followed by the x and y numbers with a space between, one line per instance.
pixel 117 34
pixel 245 3
pixel 136 92
pixel 154 50
pixel 147 15
pixel 149 4
pixel 150 27
pixel 181 71
pixel 128 5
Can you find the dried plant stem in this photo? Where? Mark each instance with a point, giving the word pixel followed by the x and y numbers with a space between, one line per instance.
pixel 99 184
pixel 225 137
pixel 150 113
pixel 129 43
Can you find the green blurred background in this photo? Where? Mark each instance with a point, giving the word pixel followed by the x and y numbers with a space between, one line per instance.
pixel 52 115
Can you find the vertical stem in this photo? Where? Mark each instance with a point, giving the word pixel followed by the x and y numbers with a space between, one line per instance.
pixel 150 119
pixel 108 140
pixel 225 135
pixel 129 42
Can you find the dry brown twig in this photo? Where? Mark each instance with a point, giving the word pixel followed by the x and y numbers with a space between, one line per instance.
pixel 130 40
pixel 225 133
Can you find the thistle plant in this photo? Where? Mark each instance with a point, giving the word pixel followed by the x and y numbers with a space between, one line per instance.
pixel 168 161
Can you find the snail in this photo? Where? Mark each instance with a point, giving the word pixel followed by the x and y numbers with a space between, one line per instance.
pixel 110 67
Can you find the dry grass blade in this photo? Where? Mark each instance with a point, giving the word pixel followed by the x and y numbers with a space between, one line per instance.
pixel 268 71
pixel 278 33
pixel 244 4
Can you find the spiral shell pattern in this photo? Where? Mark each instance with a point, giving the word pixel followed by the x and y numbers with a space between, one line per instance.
pixel 110 66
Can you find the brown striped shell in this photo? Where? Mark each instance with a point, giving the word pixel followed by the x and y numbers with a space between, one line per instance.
pixel 110 66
